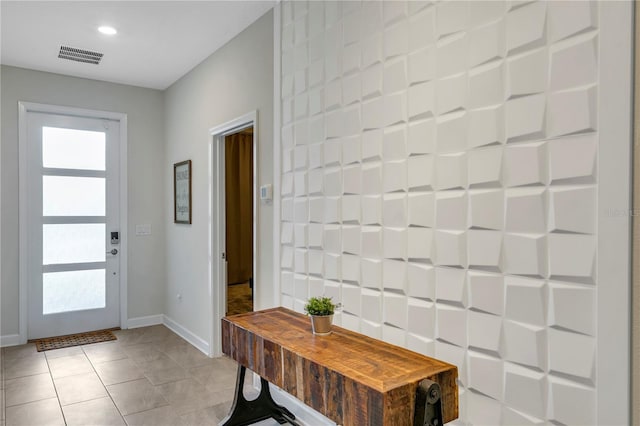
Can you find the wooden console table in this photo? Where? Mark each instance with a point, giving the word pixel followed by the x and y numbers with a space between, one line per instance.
pixel 350 378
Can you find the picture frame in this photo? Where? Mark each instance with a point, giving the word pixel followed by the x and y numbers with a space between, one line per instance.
pixel 182 192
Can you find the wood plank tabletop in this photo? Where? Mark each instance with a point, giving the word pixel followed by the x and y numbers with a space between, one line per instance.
pixel 279 345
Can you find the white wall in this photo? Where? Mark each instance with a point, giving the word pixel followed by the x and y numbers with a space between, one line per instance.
pixel 445 171
pixel 233 81
pixel 144 107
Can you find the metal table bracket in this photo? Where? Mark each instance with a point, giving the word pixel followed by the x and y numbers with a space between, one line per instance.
pixel 428 404
pixel 244 412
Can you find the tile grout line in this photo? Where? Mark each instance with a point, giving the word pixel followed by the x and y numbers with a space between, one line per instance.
pixel 55 388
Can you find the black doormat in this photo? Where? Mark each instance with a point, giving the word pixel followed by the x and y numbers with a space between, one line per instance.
pixel 50 343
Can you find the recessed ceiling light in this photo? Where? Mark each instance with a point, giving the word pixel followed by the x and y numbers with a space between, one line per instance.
pixel 107 30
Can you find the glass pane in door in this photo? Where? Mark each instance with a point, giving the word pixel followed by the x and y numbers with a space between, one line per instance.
pixel 73 196
pixel 73 149
pixel 73 243
pixel 73 291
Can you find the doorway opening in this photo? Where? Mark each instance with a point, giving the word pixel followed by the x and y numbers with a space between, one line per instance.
pixel 238 165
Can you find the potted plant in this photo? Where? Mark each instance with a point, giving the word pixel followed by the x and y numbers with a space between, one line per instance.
pixel 321 310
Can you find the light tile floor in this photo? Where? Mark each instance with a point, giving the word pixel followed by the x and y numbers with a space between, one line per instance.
pixel 149 376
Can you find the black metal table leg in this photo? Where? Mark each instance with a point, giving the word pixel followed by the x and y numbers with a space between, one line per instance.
pixel 244 412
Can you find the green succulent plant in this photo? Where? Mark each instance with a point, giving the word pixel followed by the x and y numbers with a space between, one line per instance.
pixel 320 306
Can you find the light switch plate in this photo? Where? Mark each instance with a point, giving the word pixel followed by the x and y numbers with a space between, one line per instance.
pixel 144 229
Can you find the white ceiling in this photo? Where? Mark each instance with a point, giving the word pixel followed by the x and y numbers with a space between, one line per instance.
pixel 157 41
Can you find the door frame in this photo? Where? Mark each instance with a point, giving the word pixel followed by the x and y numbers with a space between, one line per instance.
pixel 23 109
pixel 217 243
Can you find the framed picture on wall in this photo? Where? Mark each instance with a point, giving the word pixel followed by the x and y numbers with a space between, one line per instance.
pixel 182 192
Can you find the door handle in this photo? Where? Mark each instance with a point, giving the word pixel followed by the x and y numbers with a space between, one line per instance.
pixel 113 251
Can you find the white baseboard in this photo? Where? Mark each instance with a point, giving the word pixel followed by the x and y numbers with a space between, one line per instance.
pixel 145 321
pixel 187 335
pixel 10 340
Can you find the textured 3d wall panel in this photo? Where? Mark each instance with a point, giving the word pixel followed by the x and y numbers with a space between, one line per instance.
pixel 439 179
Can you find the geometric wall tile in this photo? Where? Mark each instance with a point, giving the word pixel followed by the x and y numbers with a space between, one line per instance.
pixel 372 242
pixel 286 257
pixel 317 130
pixel 421 137
pixel 332 153
pixel 371 273
pixel 286 233
pixel 301 105
pixel 485 165
pixel 394 210
pixel 422 65
pixel 372 82
pixel 372 145
pixel 525 165
pixel 350 268
pixel 348 321
pixel 452 55
pixel 525 117
pixel 526 25
pixel 525 344
pixel 573 209
pixel 485 85
pixel 395 76
pixel 421 29
pixel 572 353
pixel 315 181
pixel 371 305
pixel 371 210
pixel 480 409
pixel 451 130
pixel 450 248
pixel 394 335
pixel 315 232
pixel 422 317
pixel 286 282
pixel 421 209
pixel 486 11
pixel 421 345
pixel 454 355
pixel 572 157
pixel 316 73
pixel 484 248
pixel 351 299
pixel 451 171
pixel 525 390
pixel 571 308
pixel 373 113
pixel 351 209
pixel 300 235
pixel 315 259
pixel 315 156
pixel 300 261
pixel 485 374
pixel 485 332
pixel 371 179
pixel 395 243
pixel 301 287
pixel 300 183
pixel 420 171
pixel 450 94
pixel 352 177
pixel 394 144
pixel 395 109
pixel 451 285
pixel 351 239
pixel 420 242
pixel 371 50
pixel 514 417
pixel 451 210
pixel 485 126
pixel 421 281
pixel 395 176
pixel 574 65
pixel 393 11
pixel 396 41
pixel 332 266
pixel 572 112
pixel 371 329
pixel 332 100
pixel 524 255
pixel 395 309
pixel 287 210
pixel 486 292
pixel 286 188
pixel 452 17
pixel 527 74
pixel 301 132
pixel 525 212
pixel 421 100
pixel 568 18
pixel 487 42
pixel 394 274
pixel 351 63
pixel 351 150
pixel 572 255
pixel 525 300
pixel 564 396
pixel 332 209
pixel 486 209
pixel 452 325
pixel 333 182
pixel 301 210
pixel 332 239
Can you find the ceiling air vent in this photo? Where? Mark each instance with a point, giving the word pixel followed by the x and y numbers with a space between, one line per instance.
pixel 79 55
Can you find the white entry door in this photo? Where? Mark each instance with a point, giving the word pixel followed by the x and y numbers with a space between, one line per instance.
pixel 72 231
